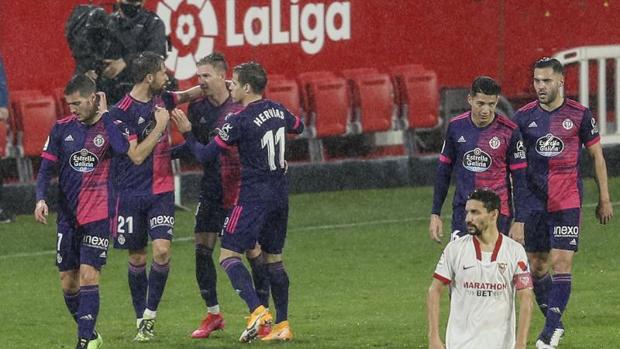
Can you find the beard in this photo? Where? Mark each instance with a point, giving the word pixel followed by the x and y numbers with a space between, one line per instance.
pixel 473 229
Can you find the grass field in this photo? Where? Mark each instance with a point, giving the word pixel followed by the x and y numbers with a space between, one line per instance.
pixel 360 263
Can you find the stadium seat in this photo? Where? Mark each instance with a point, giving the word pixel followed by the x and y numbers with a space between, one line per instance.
pixel 285 92
pixel 418 96
pixel 3 138
pixel 329 108
pixel 35 118
pixel 350 74
pixel 304 79
pixel 372 101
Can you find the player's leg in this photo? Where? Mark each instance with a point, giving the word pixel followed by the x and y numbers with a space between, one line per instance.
pixel 537 248
pixel 70 283
pixel 272 240
pixel 240 234
pixel 68 263
pixel 209 221
pixel 260 276
pixel 160 225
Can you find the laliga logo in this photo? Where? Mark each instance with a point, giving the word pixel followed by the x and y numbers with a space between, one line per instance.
pixel 192 25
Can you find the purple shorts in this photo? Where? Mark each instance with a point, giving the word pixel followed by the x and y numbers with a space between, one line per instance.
pixel 547 230
pixel 138 217
pixel 81 244
pixel 250 223
pixel 459 228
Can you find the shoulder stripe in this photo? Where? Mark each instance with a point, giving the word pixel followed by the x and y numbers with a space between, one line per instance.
pixel 529 106
pixel 460 117
pixel 442 279
pixel 506 121
pixel 575 104
pixel 66 119
pixel 125 103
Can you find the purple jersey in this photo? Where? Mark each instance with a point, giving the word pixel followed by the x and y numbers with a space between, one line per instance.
pixel 553 142
pixel 83 154
pixel 482 157
pixel 221 180
pixel 260 131
pixel 154 175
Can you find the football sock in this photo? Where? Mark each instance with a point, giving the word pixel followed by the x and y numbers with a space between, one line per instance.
pixel 241 281
pixel 138 283
pixel 72 300
pixel 206 274
pixel 157 283
pixel 279 288
pixel 261 278
pixel 541 291
pixel 87 311
pixel 558 299
pixel 214 309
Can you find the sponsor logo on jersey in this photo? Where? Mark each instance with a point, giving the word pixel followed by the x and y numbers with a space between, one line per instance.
pixel 477 160
pixel 573 242
pixel 83 161
pixel 567 124
pixel 520 152
pixel 103 254
pixel 69 138
pixel 95 242
pixel 148 128
pixel 461 140
pixel 224 131
pixel 141 120
pixel 566 231
pixel 594 126
pixel 494 143
pixel 549 145
pixel 532 124
pixel 99 141
pixel 484 289
pixel 161 221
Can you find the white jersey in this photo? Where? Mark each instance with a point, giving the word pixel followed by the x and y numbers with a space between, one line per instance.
pixel 482 285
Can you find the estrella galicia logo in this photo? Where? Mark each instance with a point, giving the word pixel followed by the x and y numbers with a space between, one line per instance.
pixel 83 161
pixel 549 145
pixel 477 160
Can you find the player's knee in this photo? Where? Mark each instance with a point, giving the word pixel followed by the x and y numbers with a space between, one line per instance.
pixel 206 239
pixel 69 281
pixel 161 253
pixel 137 258
pixel 89 275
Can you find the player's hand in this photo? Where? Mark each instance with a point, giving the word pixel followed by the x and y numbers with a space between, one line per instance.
pixel 517 232
pixel 604 211
pixel 162 116
pixel 41 211
pixel 170 100
pixel 435 228
pixel 114 67
pixel 92 75
pixel 102 103
pixel 4 114
pixel 435 343
pixel 181 120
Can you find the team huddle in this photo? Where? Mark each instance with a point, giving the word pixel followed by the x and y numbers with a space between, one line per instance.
pixel 116 186
pixel 526 168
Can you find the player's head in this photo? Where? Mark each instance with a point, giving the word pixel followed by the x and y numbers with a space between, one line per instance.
pixel 130 8
pixel 483 97
pixel 80 94
pixel 482 211
pixel 548 80
pixel 211 71
pixel 148 68
pixel 249 80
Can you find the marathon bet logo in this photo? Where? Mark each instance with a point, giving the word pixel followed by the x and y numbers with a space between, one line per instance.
pixel 477 160
pixel 193 26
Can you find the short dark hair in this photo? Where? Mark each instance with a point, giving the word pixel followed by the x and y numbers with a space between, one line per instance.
pixel 485 85
pixel 216 59
pixel 553 63
pixel 490 200
pixel 252 73
pixel 146 63
pixel 82 84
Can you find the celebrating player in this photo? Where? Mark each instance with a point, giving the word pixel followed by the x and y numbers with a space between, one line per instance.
pixel 144 182
pixel 554 129
pixel 483 270
pixel 81 146
pixel 483 148
pixel 261 213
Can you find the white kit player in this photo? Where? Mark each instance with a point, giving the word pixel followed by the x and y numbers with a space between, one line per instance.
pixel 484 271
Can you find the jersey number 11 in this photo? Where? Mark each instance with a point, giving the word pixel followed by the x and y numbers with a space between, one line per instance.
pixel 270 142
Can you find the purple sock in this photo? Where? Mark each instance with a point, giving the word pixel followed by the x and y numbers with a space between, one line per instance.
pixel 241 281
pixel 206 275
pixel 87 311
pixel 279 288
pixel 558 299
pixel 157 283
pixel 541 291
pixel 138 283
pixel 72 300
pixel 261 279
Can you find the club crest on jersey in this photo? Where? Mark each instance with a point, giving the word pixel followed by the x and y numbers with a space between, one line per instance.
pixel 121 239
pixel 224 131
pixel 567 124
pixel 477 160
pixel 494 143
pixel 83 161
pixel 502 267
pixel 549 145
pixel 98 141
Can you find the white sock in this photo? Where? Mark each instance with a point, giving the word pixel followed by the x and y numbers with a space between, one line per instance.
pixel 150 314
pixel 214 309
pixel 138 321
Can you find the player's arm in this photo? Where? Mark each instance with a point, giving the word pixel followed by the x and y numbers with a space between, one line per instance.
pixel 433 299
pixel 293 123
pixel 202 153
pixel 442 184
pixel 138 152
pixel 604 210
pixel 49 159
pixel 118 141
pixel 524 297
pixel 173 98
pixel 517 165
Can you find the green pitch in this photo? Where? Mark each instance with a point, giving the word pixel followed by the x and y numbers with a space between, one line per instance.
pixel 360 263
